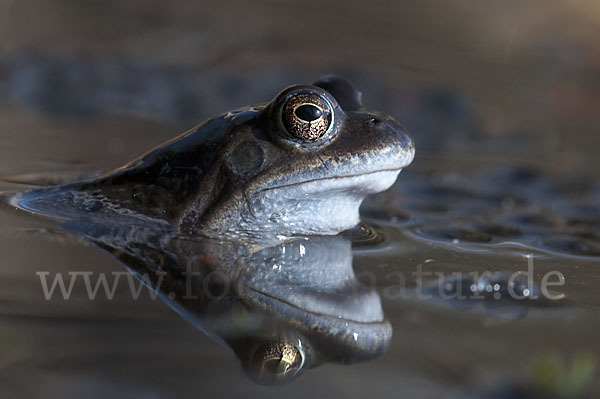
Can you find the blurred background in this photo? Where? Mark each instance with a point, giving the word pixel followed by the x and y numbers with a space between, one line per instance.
pixel 516 79
pixel 87 85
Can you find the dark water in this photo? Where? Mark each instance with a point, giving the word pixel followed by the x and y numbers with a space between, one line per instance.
pixel 500 102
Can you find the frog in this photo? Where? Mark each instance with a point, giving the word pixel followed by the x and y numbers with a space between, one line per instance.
pixel 300 164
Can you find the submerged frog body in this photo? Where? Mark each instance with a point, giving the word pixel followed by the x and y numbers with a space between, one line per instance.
pixel 299 165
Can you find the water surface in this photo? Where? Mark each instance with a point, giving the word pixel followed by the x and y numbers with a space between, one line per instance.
pixel 500 102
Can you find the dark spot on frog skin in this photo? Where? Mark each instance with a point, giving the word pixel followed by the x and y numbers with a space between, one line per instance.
pixel 246 158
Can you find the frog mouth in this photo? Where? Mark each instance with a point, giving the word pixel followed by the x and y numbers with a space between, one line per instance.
pixel 366 311
pixel 324 205
pixel 361 183
pixel 359 176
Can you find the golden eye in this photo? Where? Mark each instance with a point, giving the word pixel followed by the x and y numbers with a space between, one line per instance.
pixel 307 116
pixel 276 363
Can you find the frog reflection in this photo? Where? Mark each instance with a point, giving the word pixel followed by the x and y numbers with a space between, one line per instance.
pixel 281 309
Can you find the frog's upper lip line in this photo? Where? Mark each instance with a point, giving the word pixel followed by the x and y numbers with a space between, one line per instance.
pixel 313 312
pixel 407 160
pixel 374 172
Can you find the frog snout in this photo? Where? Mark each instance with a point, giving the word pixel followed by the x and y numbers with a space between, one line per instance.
pixel 395 136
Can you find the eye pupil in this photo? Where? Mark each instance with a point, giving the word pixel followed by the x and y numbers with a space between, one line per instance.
pixel 308 112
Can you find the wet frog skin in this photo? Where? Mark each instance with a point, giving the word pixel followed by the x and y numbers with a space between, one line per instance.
pixel 299 165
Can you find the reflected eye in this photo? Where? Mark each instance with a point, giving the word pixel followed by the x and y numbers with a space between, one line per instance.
pixel 307 116
pixel 276 363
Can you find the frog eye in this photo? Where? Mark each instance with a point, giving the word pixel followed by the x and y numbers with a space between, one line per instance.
pixel 276 362
pixel 307 116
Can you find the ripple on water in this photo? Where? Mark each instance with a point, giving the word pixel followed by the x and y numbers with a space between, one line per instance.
pixel 572 245
pixel 516 205
pixel 479 232
pixel 364 235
